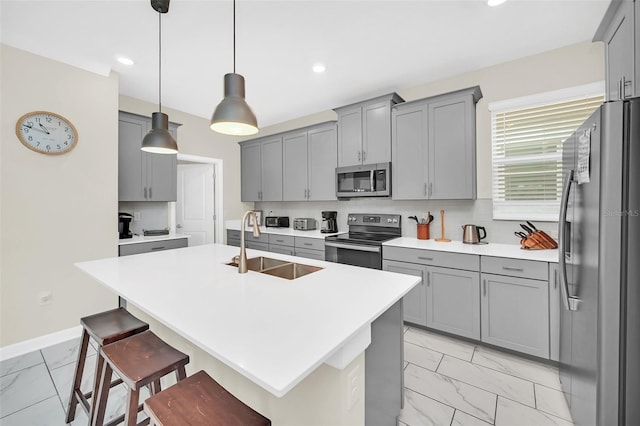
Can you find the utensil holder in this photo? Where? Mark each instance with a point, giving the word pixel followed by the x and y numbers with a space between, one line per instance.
pixel 423 231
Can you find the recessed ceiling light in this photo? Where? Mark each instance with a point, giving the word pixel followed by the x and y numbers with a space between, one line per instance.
pixel 125 61
pixel 494 3
pixel 319 68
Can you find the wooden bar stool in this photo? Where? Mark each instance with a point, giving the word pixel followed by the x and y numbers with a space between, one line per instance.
pixel 139 360
pixel 105 328
pixel 200 401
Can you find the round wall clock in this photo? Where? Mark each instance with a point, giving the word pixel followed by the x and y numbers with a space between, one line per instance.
pixel 46 132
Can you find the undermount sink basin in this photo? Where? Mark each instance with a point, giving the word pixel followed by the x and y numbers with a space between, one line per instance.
pixel 278 268
pixel 291 271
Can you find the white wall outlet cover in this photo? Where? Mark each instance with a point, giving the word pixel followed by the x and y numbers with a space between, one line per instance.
pixel 136 216
pixel 44 297
pixel 353 387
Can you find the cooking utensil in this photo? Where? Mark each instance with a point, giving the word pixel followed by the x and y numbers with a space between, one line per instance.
pixel 415 218
pixel 429 218
pixel 442 239
pixel 520 234
pixel 532 226
pixel 526 228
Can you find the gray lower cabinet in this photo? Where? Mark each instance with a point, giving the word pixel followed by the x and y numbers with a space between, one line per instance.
pixel 620 36
pixel 434 147
pixel 143 176
pixel 309 163
pixel 261 169
pixel 364 131
pixel 515 313
pixel 151 246
pixel 415 302
pixel 311 248
pixel 233 237
pixel 554 312
pixel 453 303
pixel 283 244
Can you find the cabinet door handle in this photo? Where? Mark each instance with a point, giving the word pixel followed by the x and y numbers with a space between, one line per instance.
pixel 555 278
pixel 359 156
pixel 484 287
pixel 619 89
pixel 625 83
pixel 507 268
pixel 430 189
pixel 425 258
pixel 308 194
pixel 150 196
pixel 145 192
pixel 364 156
pixel 428 279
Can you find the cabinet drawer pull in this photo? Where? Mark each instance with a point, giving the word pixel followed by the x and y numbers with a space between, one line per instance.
pixel 507 268
pixel 308 244
pixel 158 248
pixel 280 241
pixel 425 258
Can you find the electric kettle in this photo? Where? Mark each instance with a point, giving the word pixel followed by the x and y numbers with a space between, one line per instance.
pixel 471 234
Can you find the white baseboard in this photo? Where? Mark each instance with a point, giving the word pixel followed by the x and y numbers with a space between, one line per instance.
pixel 38 343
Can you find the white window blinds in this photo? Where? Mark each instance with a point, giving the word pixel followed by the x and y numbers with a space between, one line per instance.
pixel 527 152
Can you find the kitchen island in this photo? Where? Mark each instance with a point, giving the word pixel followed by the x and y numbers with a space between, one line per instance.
pixel 291 349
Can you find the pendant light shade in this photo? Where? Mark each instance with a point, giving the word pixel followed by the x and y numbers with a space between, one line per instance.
pixel 233 116
pixel 159 140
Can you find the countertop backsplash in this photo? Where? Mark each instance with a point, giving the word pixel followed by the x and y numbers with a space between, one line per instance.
pixel 457 213
pixel 153 215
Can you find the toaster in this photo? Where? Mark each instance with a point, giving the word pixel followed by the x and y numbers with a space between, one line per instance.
pixel 305 224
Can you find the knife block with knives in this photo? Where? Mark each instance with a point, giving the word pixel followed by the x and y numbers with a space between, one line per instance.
pixel 536 239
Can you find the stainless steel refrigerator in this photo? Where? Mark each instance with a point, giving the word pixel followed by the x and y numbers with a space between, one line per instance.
pixel 599 241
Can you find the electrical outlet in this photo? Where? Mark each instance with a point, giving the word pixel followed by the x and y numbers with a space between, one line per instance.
pixel 44 297
pixel 136 216
pixel 353 387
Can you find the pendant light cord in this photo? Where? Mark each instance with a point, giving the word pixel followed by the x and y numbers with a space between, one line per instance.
pixel 234 36
pixel 160 61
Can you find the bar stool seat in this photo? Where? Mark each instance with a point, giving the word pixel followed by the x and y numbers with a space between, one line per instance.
pixel 105 328
pixel 200 401
pixel 140 360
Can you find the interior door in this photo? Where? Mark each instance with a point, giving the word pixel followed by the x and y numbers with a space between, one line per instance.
pixel 195 203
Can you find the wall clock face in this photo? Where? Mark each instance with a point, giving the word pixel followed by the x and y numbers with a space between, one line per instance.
pixel 46 133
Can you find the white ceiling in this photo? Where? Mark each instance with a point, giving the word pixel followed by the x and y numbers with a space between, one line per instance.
pixel 369 47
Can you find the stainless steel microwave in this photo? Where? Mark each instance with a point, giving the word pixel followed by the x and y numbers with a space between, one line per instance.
pixel 367 180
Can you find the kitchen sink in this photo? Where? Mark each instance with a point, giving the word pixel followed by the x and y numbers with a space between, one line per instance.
pixel 278 268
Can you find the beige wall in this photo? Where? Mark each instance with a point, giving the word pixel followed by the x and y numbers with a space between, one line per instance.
pixel 569 66
pixel 56 210
pixel 195 138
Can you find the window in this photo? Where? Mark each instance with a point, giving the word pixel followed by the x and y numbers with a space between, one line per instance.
pixel 526 137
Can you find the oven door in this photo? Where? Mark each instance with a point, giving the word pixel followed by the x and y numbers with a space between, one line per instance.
pixel 366 256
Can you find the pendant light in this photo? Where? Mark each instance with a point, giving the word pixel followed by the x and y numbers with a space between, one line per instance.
pixel 233 116
pixel 159 140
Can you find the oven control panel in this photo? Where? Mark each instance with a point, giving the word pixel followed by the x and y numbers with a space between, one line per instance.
pixel 386 220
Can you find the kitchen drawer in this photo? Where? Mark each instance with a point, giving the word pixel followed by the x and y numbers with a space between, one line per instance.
pixel 263 238
pixel 282 240
pixel 137 248
pixel 469 262
pixel 257 245
pixel 515 267
pixel 233 234
pixel 275 248
pixel 310 243
pixel 310 254
pixel 233 242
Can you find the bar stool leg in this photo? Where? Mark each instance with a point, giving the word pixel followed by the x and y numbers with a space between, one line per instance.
pixel 181 373
pixel 131 411
pixel 103 393
pixel 77 378
pixel 96 385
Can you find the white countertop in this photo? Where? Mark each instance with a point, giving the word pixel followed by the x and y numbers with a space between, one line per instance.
pixel 235 225
pixel 498 250
pixel 271 330
pixel 145 239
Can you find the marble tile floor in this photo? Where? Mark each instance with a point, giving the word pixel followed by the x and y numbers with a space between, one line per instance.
pixel 453 382
pixel 35 388
pixel 447 382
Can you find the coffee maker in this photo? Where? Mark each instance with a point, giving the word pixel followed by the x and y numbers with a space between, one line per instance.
pixel 329 222
pixel 124 219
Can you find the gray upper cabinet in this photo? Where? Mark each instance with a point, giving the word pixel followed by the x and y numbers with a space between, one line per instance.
pixel 434 147
pixel 309 161
pixel 617 31
pixel 143 176
pixel 364 131
pixel 261 169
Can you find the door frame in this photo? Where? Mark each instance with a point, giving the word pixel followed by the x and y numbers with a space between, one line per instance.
pixel 217 194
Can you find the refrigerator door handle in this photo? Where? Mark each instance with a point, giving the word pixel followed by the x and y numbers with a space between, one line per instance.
pixel 570 303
